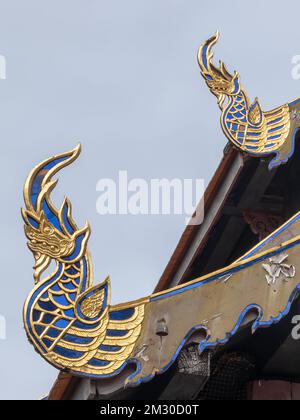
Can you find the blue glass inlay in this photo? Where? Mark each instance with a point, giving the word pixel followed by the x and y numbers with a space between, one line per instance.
pixel 110 348
pixel 39 329
pixel 116 333
pixel 36 187
pixel 98 363
pixel 72 271
pixel 84 275
pixel 77 249
pixel 274 137
pixel 77 340
pixel 70 286
pixel 47 342
pixel 53 219
pixel 254 134
pixel 70 354
pixel 273 130
pixel 70 313
pixel 275 121
pixel 295 102
pixel 61 300
pixel 33 222
pixel 47 318
pixel 237 86
pixel 53 333
pixel 238 115
pixel 252 148
pixel 37 182
pixel 72 296
pixel 122 315
pixel 36 315
pixel 47 306
pixel 270 145
pixel 66 220
pixel 62 323
pixel 55 162
pixel 204 56
pixel 32 300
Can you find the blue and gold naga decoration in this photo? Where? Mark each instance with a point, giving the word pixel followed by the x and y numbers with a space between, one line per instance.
pixel 245 125
pixel 70 322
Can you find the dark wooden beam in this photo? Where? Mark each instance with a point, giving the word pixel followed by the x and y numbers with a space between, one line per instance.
pixel 231 234
pixel 257 187
pixel 234 228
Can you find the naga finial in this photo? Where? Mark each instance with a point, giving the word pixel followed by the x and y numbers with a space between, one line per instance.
pixel 249 128
pixel 70 322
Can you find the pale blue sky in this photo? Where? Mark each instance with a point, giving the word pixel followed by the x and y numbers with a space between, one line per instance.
pixel 121 77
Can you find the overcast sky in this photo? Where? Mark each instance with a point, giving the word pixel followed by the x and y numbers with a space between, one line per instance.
pixel 122 78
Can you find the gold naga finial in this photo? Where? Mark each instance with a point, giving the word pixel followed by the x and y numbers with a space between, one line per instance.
pixel 70 322
pixel 249 128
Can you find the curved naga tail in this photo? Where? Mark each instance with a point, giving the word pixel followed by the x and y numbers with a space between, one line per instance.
pixel 70 322
pixel 246 126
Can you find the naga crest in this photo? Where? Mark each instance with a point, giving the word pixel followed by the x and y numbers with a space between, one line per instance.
pixel 245 125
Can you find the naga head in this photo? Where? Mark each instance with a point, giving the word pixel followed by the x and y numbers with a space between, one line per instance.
pixel 51 233
pixel 47 240
pixel 221 83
